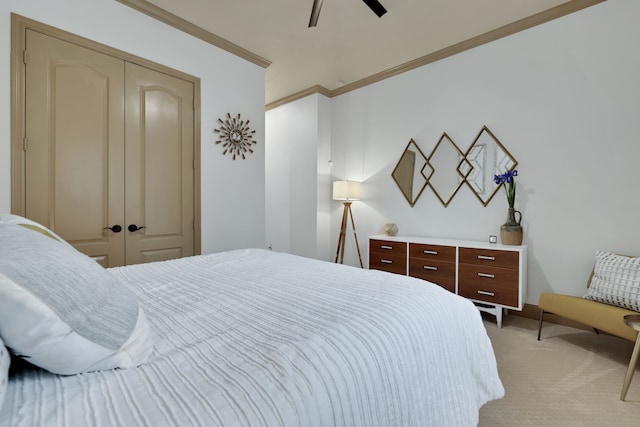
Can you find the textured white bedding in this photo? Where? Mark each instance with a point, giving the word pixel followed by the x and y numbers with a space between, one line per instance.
pixel 259 338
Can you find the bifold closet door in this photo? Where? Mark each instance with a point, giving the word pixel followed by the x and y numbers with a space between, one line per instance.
pixel 109 153
pixel 74 127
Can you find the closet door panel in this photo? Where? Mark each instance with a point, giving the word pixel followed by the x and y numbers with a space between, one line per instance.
pixel 162 150
pixel 81 152
pixel 74 181
pixel 159 165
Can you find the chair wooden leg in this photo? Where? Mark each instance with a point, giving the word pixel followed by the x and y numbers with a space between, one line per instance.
pixel 540 324
pixel 631 369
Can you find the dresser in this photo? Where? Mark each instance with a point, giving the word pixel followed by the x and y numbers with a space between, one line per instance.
pixel 493 276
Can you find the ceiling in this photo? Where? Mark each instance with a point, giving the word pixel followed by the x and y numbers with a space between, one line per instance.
pixel 350 43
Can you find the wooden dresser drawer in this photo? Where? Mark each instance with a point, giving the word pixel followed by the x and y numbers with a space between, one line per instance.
pixel 391 262
pixel 492 284
pixel 449 283
pixel 489 257
pixel 493 294
pixel 426 269
pixel 388 247
pixel 441 253
pixel 434 263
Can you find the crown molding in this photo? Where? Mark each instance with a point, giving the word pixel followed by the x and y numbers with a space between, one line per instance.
pixel 193 30
pixel 299 95
pixel 504 31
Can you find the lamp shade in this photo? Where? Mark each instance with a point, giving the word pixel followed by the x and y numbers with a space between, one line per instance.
pixel 347 190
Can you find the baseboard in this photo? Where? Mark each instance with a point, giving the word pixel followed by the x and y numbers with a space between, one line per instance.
pixel 530 311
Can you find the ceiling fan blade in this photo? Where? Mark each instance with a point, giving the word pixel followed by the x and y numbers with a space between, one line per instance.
pixel 377 8
pixel 315 13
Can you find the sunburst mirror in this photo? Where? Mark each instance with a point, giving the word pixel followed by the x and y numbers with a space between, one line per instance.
pixel 236 136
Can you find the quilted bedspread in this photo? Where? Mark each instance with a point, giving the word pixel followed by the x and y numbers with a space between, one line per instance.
pixel 259 338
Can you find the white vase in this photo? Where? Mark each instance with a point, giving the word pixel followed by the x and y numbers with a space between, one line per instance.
pixel 390 229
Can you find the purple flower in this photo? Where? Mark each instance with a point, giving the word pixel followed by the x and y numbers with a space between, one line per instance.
pixel 508 179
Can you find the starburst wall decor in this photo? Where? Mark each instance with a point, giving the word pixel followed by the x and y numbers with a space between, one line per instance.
pixel 235 136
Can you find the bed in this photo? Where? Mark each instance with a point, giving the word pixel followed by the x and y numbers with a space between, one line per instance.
pixel 259 338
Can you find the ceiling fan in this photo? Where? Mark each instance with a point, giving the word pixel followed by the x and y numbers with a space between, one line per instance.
pixel 374 5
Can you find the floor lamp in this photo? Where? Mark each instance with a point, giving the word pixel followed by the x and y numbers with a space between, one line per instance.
pixel 347 191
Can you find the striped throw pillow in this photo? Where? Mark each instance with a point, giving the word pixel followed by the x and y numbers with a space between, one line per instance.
pixel 616 281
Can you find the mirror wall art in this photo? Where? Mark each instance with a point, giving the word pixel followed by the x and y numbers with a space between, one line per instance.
pixel 447 168
pixel 485 158
pixel 412 172
pixel 446 180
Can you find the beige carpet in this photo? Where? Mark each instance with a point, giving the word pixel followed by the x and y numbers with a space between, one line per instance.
pixel 571 377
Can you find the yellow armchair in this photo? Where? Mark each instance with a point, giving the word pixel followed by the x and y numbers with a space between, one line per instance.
pixel 600 316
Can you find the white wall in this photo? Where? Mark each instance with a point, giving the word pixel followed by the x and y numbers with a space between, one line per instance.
pixel 297 177
pixel 233 202
pixel 563 98
pixel 323 214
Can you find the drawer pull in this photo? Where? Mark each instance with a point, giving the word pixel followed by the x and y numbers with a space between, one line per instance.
pixel 386 247
pixel 429 267
pixel 427 252
pixel 489 294
pixel 490 276
pixel 488 258
pixel 386 261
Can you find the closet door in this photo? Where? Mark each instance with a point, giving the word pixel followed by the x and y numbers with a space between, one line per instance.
pixel 74 174
pixel 159 166
pixel 109 161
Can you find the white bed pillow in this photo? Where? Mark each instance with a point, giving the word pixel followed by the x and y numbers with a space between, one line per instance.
pixel 62 311
pixel 5 359
pixel 27 223
pixel 616 281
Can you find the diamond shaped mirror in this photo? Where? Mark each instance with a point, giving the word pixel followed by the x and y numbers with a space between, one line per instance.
pixel 412 173
pixel 446 179
pixel 485 158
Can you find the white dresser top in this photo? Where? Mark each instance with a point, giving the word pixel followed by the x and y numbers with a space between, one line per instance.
pixel 451 242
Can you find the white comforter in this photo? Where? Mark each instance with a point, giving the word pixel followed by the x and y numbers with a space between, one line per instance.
pixel 258 338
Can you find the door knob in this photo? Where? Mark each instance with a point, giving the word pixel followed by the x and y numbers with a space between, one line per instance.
pixel 133 227
pixel 116 228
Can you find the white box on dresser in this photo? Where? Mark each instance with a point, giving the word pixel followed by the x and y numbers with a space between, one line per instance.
pixel 492 275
